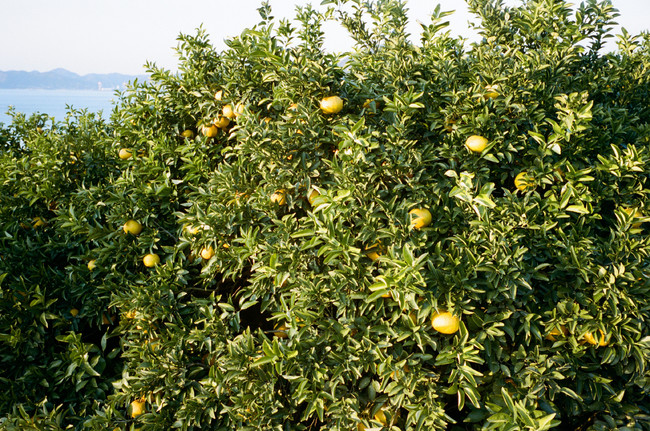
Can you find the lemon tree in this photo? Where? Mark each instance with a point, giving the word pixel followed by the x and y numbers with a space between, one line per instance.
pixel 407 236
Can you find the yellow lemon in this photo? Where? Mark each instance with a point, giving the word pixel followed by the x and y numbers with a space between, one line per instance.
pixel 420 217
pixel 524 182
pixel 602 341
pixel 38 222
pixel 331 105
pixel 150 260
pixel 187 134
pixel 374 251
pixel 380 417
pixel 445 322
pixel 281 331
pixel 491 92
pixel 125 153
pixel 209 131
pixel 562 331
pixel 207 253
pixel 92 264
pixel 132 227
pixel 228 112
pixel 221 122
pixel 137 407
pixel 313 194
pixel 218 95
pixel 279 197
pixel 74 312
pixel 107 319
pixel 373 255
pixel 476 143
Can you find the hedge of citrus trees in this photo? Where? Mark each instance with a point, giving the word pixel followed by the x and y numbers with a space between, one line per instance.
pixel 407 236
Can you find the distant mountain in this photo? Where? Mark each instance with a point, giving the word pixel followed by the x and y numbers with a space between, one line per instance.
pixel 64 79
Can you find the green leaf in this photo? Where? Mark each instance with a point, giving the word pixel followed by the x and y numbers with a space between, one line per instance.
pixel 580 209
pixel 509 403
pixel 263 361
pixel 545 421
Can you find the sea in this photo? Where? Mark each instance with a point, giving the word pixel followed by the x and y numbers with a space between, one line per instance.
pixel 54 103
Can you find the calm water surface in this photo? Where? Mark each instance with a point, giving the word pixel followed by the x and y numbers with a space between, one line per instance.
pixel 53 102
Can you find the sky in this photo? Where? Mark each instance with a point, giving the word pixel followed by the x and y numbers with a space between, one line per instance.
pixel 103 36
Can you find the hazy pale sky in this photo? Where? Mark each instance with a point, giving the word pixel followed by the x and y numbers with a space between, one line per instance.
pixel 102 36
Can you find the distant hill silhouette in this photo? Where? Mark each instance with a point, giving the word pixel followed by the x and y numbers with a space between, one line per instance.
pixel 64 79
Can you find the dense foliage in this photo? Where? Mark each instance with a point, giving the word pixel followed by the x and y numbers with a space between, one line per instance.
pixel 294 290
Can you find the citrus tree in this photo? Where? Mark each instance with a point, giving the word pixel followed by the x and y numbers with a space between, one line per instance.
pixel 407 236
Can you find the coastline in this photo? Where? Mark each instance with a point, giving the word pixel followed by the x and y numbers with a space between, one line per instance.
pixel 53 102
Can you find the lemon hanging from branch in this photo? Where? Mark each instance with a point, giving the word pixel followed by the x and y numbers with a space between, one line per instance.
pixel 476 143
pixel 150 260
pixel 420 217
pixel 331 105
pixel 279 197
pixel 133 227
pixel 524 182
pixel 445 322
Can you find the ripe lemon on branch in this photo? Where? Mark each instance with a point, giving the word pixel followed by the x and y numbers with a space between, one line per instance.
pixel 374 251
pixel 207 253
pixel 476 143
pixel 331 105
pixel 313 194
pixel 150 260
pixel 491 91
pixel 279 197
pixel 209 131
pixel 420 217
pixel 137 407
pixel 187 134
pixel 228 112
pixel 524 182
pixel 445 322
pixel 221 122
pixel 560 331
pixel 280 330
pixel 380 416
pixel 602 340
pixel 132 227
pixel 125 153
